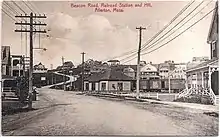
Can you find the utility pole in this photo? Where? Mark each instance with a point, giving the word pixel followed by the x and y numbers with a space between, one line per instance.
pixel 138 62
pixel 64 76
pixel 51 67
pixel 83 67
pixel 31 31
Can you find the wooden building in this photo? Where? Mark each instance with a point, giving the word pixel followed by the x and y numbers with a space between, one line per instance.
pixel 205 75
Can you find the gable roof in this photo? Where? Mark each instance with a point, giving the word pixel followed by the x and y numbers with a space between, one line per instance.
pixel 204 64
pixel 109 74
pixel 213 30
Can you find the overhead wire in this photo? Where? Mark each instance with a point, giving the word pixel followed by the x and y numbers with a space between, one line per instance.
pixel 180 33
pixel 145 47
pixel 177 23
pixel 150 46
pixel 183 10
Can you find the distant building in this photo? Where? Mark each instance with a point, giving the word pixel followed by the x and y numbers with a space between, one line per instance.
pixel 196 61
pixel 165 68
pixel 149 71
pixel 129 72
pixel 113 62
pixel 40 75
pixel 179 72
pixel 108 80
pixel 40 68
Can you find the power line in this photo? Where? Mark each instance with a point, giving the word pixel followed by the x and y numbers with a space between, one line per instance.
pixel 175 36
pixel 33 7
pixel 11 8
pixel 152 45
pixel 11 17
pixel 135 51
pixel 19 7
pixel 176 24
pixel 180 33
pixel 145 45
pixel 28 6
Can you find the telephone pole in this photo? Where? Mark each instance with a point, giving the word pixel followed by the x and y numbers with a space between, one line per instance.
pixel 31 31
pixel 64 76
pixel 83 54
pixel 138 61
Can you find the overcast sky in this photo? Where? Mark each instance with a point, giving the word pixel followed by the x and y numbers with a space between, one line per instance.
pixel 104 35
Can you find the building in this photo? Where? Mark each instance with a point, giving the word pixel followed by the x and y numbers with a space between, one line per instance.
pixel 130 72
pixel 17 65
pixel 205 75
pixel 108 80
pixel 40 75
pixel 40 68
pixel 196 61
pixel 113 62
pixel 6 61
pixel 165 68
pixel 179 72
pixel 149 71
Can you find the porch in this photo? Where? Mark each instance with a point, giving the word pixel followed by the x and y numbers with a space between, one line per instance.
pixel 204 76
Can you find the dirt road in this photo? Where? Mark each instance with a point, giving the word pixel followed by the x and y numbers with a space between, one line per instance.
pixel 86 115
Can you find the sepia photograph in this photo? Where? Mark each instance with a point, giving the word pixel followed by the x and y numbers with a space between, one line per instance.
pixel 109 68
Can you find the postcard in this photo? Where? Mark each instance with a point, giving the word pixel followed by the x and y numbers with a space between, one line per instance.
pixel 110 68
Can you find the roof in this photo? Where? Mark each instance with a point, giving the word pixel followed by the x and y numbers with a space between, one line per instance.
pixel 213 30
pixel 109 74
pixel 204 64
pixel 128 69
pixel 122 67
pixel 148 68
pixel 113 61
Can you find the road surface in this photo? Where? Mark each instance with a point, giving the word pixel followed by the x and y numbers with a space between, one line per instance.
pixel 87 115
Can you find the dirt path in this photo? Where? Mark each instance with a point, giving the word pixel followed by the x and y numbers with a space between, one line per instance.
pixel 86 115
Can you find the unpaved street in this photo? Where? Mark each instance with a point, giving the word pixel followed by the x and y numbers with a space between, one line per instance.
pixel 74 114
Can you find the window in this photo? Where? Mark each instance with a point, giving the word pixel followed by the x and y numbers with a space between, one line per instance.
pixel 113 86
pixel 214 50
pixel 120 86
pixel 103 86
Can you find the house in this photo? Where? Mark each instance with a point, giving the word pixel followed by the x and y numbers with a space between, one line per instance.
pixel 40 68
pixel 130 72
pixel 6 61
pixel 17 65
pixel 149 71
pixel 196 61
pixel 165 68
pixel 40 77
pixel 205 75
pixel 114 62
pixel 108 80
pixel 179 72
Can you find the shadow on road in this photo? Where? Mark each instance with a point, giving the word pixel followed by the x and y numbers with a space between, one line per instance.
pixel 21 110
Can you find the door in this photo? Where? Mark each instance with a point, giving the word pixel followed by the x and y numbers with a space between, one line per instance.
pixel 93 86
pixel 215 82
pixel 87 86
pixel 162 84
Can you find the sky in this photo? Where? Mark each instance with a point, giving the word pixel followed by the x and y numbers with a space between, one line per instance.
pixel 108 34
